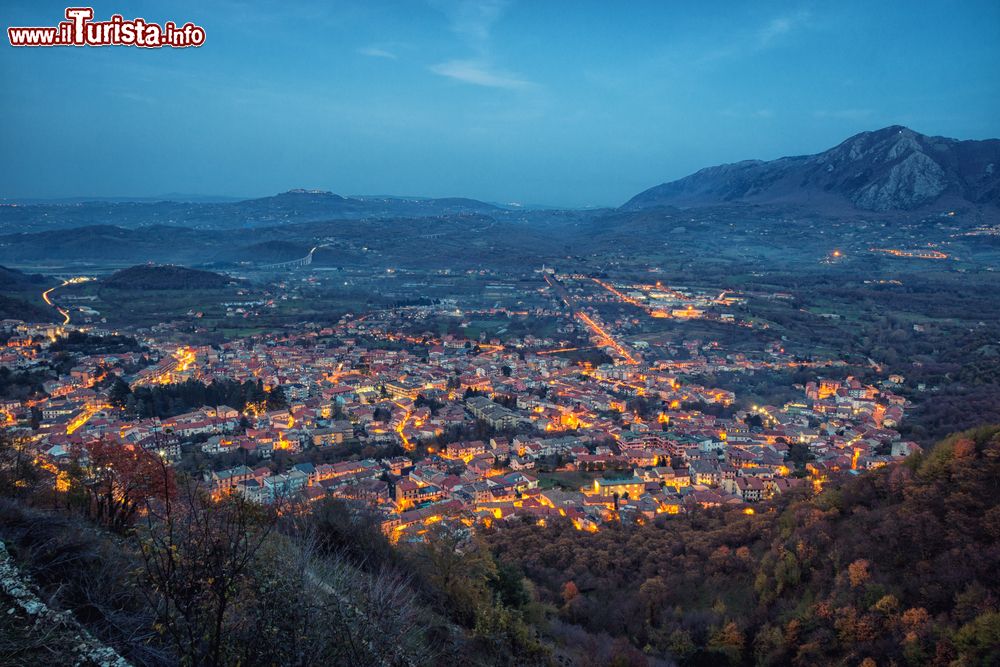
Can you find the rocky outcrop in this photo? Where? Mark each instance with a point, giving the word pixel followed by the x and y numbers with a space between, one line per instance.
pixel 63 634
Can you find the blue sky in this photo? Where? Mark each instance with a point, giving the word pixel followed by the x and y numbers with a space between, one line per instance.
pixel 563 103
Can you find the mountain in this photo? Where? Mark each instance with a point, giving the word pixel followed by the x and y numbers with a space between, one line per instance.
pixel 167 197
pixel 892 169
pixel 21 309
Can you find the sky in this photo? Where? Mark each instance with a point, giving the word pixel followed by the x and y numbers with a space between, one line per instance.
pixel 570 103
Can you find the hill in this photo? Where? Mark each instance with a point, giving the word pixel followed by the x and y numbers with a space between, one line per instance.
pixel 20 290
pixel 167 277
pixel 281 209
pixel 12 307
pixel 892 169
pixel 12 279
pixel 103 243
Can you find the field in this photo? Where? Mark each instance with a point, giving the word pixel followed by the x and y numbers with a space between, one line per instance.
pixel 577 479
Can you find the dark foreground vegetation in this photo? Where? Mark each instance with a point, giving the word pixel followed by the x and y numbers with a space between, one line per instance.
pixel 897 566
pixel 164 574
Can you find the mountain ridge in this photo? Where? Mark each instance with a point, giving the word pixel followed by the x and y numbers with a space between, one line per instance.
pixel 292 206
pixel 891 169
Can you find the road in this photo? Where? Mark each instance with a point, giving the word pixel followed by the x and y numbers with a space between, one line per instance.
pixel 407 445
pixel 603 337
pixel 62 311
pixel 652 312
pixel 68 281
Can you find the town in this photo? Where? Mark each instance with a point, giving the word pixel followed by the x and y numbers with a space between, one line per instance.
pixel 386 412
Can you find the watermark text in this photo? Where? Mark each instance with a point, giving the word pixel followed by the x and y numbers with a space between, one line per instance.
pixel 80 29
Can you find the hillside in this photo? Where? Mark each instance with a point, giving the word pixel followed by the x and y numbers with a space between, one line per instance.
pixel 898 566
pixel 12 307
pixel 895 566
pixel 287 207
pixel 21 290
pixel 103 243
pixel 12 279
pixel 892 169
pixel 168 277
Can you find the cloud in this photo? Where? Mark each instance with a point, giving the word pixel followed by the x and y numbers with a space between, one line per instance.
pixel 777 27
pixel 750 41
pixel 480 74
pixel 780 26
pixel 375 52
pixel 472 20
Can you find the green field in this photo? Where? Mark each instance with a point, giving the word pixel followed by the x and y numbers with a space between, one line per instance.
pixel 578 479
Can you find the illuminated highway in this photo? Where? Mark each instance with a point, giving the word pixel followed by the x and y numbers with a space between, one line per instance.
pixel 68 281
pixel 912 254
pixel 652 312
pixel 604 338
pixel 62 311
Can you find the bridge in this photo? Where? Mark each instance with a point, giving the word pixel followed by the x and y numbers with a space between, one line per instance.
pixel 294 263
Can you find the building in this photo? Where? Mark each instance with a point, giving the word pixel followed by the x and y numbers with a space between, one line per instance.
pixel 630 486
pixel 493 414
pixel 336 434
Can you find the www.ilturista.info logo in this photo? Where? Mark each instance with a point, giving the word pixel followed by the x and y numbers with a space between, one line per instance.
pixel 80 30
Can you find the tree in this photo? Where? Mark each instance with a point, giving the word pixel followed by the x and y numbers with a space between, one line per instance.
pixel 979 641
pixel 120 479
pixel 858 573
pixel 569 592
pixel 276 399
pixel 728 641
pixel 355 533
pixel 198 557
pixel 119 393
pixel 799 454
pixel 18 474
pixel 652 593
pixel 457 571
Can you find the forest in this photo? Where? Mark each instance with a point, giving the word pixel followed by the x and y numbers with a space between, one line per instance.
pixel 78 342
pixel 168 400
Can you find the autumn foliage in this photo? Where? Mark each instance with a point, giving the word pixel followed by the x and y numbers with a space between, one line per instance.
pixel 897 566
pixel 121 479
